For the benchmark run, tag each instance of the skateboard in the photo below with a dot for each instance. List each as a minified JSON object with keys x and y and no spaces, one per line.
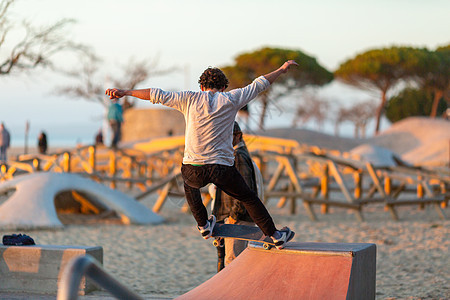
{"x":241,"y":232}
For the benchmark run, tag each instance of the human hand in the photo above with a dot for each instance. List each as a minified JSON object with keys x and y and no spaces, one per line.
{"x":115,"y":93}
{"x":285,"y":67}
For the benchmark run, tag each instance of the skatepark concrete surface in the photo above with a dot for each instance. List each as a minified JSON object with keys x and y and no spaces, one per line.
{"x":91,"y":296}
{"x":32,"y":205}
{"x":299,"y":271}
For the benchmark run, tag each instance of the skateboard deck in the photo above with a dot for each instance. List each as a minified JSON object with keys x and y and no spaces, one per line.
{"x":242,"y":232}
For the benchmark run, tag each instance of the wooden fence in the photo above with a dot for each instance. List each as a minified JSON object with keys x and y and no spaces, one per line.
{"x":292,"y":172}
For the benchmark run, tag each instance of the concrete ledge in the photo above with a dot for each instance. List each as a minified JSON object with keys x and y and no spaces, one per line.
{"x":38,"y":268}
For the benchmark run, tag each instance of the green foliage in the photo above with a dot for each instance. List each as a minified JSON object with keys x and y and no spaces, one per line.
{"x":445,"y":48}
{"x":412,"y":102}
{"x":250,"y":65}
{"x":437,"y":73}
{"x":381,"y":69}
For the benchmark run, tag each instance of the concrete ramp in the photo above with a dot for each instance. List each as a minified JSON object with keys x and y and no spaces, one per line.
{"x":32,"y":203}
{"x":300,"y":271}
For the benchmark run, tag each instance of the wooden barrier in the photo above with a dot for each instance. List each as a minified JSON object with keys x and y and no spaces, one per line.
{"x":291,"y":171}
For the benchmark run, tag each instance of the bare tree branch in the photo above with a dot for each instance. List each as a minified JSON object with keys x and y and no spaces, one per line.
{"x":359,"y":114}
{"x":312,"y":108}
{"x":90,"y":85}
{"x":38,"y":46}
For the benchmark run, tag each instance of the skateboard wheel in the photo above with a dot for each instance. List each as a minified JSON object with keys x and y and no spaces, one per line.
{"x":216,"y":243}
{"x":267,"y":246}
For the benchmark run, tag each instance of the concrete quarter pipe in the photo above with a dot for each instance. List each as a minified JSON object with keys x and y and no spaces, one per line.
{"x":300,"y":271}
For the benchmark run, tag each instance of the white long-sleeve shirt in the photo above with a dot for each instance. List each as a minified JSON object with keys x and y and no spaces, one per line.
{"x":209,"y":120}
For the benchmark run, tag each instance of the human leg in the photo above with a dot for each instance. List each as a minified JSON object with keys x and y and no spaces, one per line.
{"x":115,"y":131}
{"x":231,"y":182}
{"x":194,"y":179}
{"x":3,"y":153}
{"x":194,"y":200}
{"x":119,"y":132}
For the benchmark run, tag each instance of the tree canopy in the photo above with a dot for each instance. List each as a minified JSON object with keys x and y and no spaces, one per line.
{"x":436,"y":76}
{"x":249,"y":65}
{"x":383,"y":69}
{"x":412,"y":102}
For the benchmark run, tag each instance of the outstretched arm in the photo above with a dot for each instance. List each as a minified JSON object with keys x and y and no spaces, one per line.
{"x":118,"y":93}
{"x":272,"y":76}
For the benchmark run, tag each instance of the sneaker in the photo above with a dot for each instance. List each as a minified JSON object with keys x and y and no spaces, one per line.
{"x":207,"y":230}
{"x":286,"y":236}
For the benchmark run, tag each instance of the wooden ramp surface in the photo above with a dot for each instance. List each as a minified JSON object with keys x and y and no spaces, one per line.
{"x":300,"y":271}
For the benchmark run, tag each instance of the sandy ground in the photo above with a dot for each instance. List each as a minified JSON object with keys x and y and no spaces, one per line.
{"x":413,"y":257}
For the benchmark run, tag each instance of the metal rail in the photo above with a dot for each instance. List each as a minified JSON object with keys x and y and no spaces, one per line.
{"x":89,"y":267}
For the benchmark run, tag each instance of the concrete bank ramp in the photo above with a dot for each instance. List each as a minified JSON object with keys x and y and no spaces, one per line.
{"x":300,"y":271}
{"x":32,"y":203}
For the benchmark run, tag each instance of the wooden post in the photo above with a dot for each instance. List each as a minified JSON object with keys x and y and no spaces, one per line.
{"x":324,"y":188}
{"x":358,"y":184}
{"x":444,"y":203}
{"x":293,"y":207}
{"x":387,"y":185}
{"x":162,"y":197}
{"x":129,"y":171}
{"x":66,"y":162}
{"x":141,"y":174}
{"x":273,"y":181}
{"x":3,"y":170}
{"x":149,"y":174}
{"x":420,"y":191}
{"x":387,"y":189}
{"x":91,"y":151}
{"x":37,"y":164}
{"x":112,"y":167}
{"x":291,"y":185}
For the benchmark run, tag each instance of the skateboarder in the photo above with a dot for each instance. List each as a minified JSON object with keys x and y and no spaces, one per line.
{"x":208,"y":154}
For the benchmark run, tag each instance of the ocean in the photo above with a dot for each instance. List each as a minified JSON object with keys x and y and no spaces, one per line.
{"x":58,"y":135}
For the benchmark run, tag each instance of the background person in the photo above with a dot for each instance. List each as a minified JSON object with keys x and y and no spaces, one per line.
{"x":228,"y":209}
{"x":5,"y":139}
{"x":99,"y":138}
{"x":42,"y":143}
{"x":115,"y":119}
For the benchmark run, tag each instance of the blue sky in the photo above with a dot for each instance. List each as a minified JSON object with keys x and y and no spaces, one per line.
{"x":198,"y":34}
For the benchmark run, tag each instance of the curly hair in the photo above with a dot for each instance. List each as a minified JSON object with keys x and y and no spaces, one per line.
{"x":213,"y":78}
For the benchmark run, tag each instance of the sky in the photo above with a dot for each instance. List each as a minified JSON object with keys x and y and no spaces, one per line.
{"x":194,"y":35}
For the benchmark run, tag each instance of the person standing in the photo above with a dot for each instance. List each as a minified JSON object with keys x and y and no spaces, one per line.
{"x":115,"y":119}
{"x":208,"y":154}
{"x":99,"y":138}
{"x":5,"y":140}
{"x":229,"y":210}
{"x":42,"y":143}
